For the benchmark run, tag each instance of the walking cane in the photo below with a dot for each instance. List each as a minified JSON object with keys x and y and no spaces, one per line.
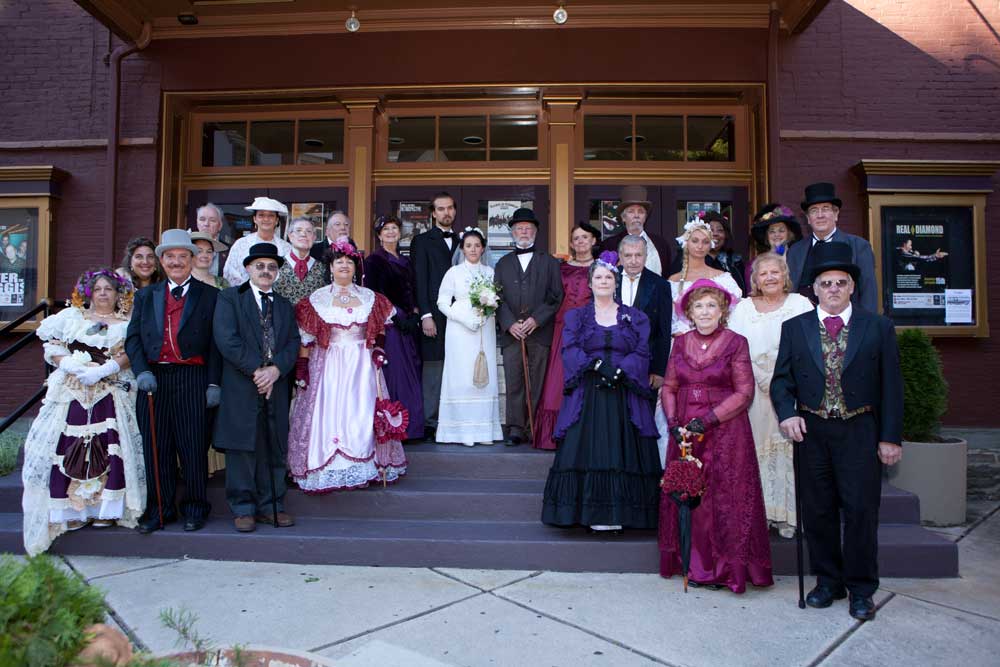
{"x":527,"y":387}
{"x":264,"y":404}
{"x":798,"y":524}
{"x":156,"y":458}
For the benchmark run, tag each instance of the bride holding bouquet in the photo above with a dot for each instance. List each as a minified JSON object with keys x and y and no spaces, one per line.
{"x":469,"y":412}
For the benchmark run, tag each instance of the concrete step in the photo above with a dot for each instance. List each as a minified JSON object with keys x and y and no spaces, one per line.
{"x":905,"y":550}
{"x":480,"y":462}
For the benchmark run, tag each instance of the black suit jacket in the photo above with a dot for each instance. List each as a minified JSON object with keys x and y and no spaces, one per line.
{"x":655,"y":300}
{"x":239,"y":338}
{"x":318,"y":251}
{"x":537,"y":293}
{"x":144,"y":340}
{"x":871,"y":375}
{"x":663,"y":248}
{"x":431,"y":259}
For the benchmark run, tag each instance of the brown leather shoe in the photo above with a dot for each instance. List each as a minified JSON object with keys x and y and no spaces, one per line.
{"x":245,"y":524}
{"x":284,"y":519}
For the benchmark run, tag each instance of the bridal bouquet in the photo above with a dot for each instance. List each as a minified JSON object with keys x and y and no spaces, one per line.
{"x":484,"y":295}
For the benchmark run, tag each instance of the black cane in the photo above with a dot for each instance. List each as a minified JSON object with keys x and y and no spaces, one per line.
{"x":798,"y":524}
{"x":265,"y":405}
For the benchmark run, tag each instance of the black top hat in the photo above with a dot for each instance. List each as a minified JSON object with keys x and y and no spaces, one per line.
{"x":820,"y":193}
{"x":522,"y":215}
{"x":264,"y":251}
{"x":770,"y":214}
{"x":833,"y":256}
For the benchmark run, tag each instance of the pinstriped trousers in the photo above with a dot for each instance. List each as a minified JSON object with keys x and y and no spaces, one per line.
{"x":179,"y":404}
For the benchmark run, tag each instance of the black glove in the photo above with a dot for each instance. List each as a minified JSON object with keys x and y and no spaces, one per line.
{"x":595,"y":364}
{"x":696,"y":426}
{"x":675,"y":431}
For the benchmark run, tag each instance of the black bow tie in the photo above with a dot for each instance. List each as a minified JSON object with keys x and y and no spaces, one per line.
{"x":178,"y":292}
{"x":524,"y":251}
{"x":448,"y":235}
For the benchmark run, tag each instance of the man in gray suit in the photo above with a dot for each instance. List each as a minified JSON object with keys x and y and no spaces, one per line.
{"x":532,"y":292}
{"x":822,"y":208}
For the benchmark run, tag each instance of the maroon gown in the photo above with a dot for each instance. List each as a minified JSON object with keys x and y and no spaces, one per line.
{"x":576,"y":292}
{"x":710,"y":377}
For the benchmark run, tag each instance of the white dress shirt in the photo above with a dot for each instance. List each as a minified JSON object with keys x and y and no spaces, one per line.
{"x":829,"y":237}
{"x":184,"y":286}
{"x":256,"y":296}
{"x":845,"y":316}
{"x":525,"y":259}
{"x":630,"y":288}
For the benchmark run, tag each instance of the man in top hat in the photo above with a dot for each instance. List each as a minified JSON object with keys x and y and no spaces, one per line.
{"x":431,"y":253}
{"x":266,"y":212}
{"x":822,"y":208}
{"x":640,"y":288}
{"x":170,"y":346}
{"x":632,"y":212}
{"x":838,"y":393}
{"x":258,"y":339}
{"x":208,"y":220}
{"x":532,"y":291}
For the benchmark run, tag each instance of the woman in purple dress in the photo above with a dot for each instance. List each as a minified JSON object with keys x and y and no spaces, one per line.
{"x":708,"y":388}
{"x":606,"y":472}
{"x":391,"y":275}
{"x":576,"y":291}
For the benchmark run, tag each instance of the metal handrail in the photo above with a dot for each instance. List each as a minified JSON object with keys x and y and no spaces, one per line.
{"x":43,"y":306}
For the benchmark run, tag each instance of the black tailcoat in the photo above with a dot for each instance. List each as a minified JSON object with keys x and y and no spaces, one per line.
{"x":655,"y":300}
{"x":431,"y":259}
{"x":537,"y":293}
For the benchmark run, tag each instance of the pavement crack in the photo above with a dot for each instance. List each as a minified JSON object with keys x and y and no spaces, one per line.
{"x":828,"y":651}
{"x":948,"y":606}
{"x":129,"y":632}
{"x":978,"y":522}
{"x":480,"y":588}
{"x":137,"y":569}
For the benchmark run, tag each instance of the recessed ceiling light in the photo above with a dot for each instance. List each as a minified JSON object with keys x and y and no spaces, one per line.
{"x":472,"y":140}
{"x":313,"y":143}
{"x":395,"y":141}
{"x":638,"y":139}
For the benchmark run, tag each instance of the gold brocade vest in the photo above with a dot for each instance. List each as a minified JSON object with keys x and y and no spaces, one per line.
{"x":834,"y":352}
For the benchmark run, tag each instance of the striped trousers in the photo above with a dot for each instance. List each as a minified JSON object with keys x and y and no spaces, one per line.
{"x":180,"y":416}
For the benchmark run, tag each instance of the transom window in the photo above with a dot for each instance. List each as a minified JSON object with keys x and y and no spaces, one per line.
{"x":661,"y":138}
{"x":272,"y":142}
{"x":480,"y":138}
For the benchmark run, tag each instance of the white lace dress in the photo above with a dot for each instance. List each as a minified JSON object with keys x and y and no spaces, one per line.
{"x":467,"y":414}
{"x":83,"y":454}
{"x":774,"y":450}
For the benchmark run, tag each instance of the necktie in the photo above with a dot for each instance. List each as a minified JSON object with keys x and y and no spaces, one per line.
{"x":524,"y":251}
{"x":177,"y":292}
{"x":265,"y":304}
{"x":301,"y":266}
{"x":833,"y":325}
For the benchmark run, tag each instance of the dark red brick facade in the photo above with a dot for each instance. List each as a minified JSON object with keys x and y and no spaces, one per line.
{"x":927,"y":67}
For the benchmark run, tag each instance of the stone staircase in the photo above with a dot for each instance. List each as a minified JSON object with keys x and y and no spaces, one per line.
{"x":457,"y":507}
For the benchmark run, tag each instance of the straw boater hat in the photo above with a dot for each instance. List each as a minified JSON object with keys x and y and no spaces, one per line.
{"x":833,"y":256}
{"x":820,"y":193}
{"x":173,"y":239}
{"x":634,"y":194}
{"x":268,"y":204}
{"x":217,"y":245}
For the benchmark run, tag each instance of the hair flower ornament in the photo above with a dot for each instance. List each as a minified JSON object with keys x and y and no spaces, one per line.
{"x":693,"y":225}
{"x":83,"y":290}
{"x":345,"y":247}
{"x":469,"y":230}
{"x":609,"y":260}
{"x":779,"y":212}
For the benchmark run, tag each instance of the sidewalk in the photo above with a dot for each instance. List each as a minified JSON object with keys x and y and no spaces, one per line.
{"x":430,"y":617}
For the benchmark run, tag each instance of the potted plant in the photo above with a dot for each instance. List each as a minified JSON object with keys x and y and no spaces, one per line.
{"x":932,"y":467}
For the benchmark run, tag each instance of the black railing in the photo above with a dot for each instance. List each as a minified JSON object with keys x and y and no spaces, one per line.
{"x":44,"y":307}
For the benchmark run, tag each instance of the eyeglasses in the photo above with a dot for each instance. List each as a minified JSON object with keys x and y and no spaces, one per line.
{"x":841,"y":283}
{"x":270,"y":266}
{"x":820,"y":210}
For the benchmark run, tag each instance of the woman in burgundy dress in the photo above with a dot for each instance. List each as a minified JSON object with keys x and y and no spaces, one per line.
{"x":576,"y":292}
{"x":391,"y":275}
{"x":708,"y":388}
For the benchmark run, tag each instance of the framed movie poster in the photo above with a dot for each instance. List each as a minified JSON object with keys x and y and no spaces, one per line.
{"x":24,"y":223}
{"x":931,"y":255}
{"x":415,"y":218}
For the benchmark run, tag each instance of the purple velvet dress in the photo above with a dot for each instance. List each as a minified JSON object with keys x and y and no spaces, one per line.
{"x":576,"y":292}
{"x":393,"y":277}
{"x":710,"y":377}
{"x":607,"y":468}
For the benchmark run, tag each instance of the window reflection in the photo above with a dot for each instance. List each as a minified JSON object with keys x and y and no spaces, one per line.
{"x":710,"y":138}
{"x":607,"y":138}
{"x":513,"y":137}
{"x":659,"y":138}
{"x":272,"y":142}
{"x":462,"y":138}
{"x":223,"y":144}
{"x":411,"y":139}
{"x":321,"y":141}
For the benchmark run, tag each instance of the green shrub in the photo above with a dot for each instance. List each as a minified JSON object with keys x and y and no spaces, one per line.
{"x":43,"y":612}
{"x":925,"y":392}
{"x":10,"y":444}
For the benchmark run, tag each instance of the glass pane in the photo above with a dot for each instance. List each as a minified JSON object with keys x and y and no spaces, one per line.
{"x":223,"y":144}
{"x":710,"y":138}
{"x":18,"y":261}
{"x":321,"y":141}
{"x":411,"y":139}
{"x":659,"y":138}
{"x":462,"y":138}
{"x":272,"y":142}
{"x":514,"y":137}
{"x":607,"y":138}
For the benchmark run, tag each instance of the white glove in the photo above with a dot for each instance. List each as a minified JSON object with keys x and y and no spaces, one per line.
{"x":88,"y":375}
{"x":70,"y":364}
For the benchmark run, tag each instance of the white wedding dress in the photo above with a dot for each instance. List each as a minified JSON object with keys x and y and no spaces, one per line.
{"x":467,"y":414}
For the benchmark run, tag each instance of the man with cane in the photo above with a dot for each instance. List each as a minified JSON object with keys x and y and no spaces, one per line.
{"x":838,"y":393}
{"x":170,"y":346}
{"x":258,"y":339}
{"x":531,"y":292}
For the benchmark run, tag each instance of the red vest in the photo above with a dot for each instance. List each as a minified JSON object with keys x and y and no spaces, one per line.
{"x":170,"y":351}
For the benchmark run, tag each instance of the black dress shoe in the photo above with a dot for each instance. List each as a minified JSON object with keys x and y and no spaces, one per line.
{"x":152,"y":523}
{"x":862,"y":608}
{"x":822,"y":597}
{"x":194,"y":524}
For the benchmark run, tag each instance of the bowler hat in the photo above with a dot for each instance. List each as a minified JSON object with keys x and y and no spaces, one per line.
{"x":522,"y":215}
{"x":264,"y":251}
{"x":820,"y":193}
{"x":833,"y":256}
{"x":634,"y":194}
{"x":173,"y":239}
{"x":770,"y":214}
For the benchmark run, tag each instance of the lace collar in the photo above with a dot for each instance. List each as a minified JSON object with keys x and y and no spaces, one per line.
{"x":323,"y":298}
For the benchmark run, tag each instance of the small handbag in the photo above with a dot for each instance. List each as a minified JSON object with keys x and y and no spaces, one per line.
{"x":481,"y":370}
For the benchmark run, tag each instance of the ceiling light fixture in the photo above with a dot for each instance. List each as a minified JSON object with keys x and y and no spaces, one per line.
{"x":352,"y":24}
{"x":313,"y":143}
{"x":472,"y":140}
{"x":187,"y":18}
{"x":560,"y":15}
